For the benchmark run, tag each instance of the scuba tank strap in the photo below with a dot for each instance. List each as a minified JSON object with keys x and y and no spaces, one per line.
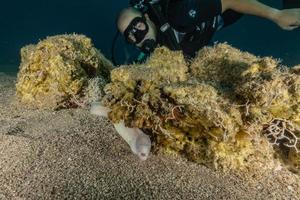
{"x":165,"y":28}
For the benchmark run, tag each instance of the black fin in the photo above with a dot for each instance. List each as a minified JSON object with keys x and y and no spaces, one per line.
{"x":291,"y":4}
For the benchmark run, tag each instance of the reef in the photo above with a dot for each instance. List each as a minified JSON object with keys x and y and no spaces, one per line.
{"x":62,"y":71}
{"x":223,"y":109}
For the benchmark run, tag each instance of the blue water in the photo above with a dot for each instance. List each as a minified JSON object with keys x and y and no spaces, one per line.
{"x":25,"y":22}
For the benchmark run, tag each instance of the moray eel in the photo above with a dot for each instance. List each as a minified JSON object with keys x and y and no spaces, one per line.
{"x":138,"y":141}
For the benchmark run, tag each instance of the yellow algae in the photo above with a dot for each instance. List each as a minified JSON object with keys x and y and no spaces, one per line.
{"x":56,"y":72}
{"x":222,"y":109}
{"x":214,"y":110}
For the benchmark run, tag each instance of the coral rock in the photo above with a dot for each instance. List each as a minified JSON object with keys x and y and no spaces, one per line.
{"x":56,"y":71}
{"x":218,"y":111}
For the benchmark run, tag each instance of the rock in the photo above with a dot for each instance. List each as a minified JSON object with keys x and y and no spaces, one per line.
{"x":213,"y":110}
{"x":61,"y":71}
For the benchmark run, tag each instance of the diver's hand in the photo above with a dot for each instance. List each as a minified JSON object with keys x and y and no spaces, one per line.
{"x":288,"y":19}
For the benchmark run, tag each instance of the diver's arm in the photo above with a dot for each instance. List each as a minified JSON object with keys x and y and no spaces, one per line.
{"x":287,"y":19}
{"x":251,"y":7}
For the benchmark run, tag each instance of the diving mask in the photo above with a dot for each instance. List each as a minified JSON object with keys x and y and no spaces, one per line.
{"x":136,"y":32}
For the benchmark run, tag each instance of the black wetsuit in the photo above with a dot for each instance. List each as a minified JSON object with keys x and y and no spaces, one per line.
{"x":291,"y":4}
{"x":194,"y":23}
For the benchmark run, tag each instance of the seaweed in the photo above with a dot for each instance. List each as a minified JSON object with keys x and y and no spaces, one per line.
{"x":61,"y":71}
{"x":226,"y":109}
{"x":214,"y":110}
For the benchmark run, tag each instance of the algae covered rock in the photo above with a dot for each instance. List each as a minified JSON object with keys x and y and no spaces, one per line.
{"x":223,"y":64}
{"x":222,"y":109}
{"x":61,"y":71}
{"x":214,"y":110}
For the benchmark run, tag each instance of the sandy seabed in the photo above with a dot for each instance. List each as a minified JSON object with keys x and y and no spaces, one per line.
{"x":71,"y":154}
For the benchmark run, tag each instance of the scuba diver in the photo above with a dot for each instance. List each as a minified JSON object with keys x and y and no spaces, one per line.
{"x":189,"y":25}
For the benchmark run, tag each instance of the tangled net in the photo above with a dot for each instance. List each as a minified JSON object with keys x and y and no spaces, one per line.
{"x":281,"y":131}
{"x":220,"y":110}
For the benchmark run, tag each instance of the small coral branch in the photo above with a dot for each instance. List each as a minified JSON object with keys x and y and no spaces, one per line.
{"x":174,"y":113}
{"x":129,"y":106}
{"x":246,"y":105}
{"x":281,"y":131}
{"x":77,"y":102}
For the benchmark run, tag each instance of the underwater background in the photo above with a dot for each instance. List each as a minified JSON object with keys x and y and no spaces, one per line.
{"x":26,"y":22}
